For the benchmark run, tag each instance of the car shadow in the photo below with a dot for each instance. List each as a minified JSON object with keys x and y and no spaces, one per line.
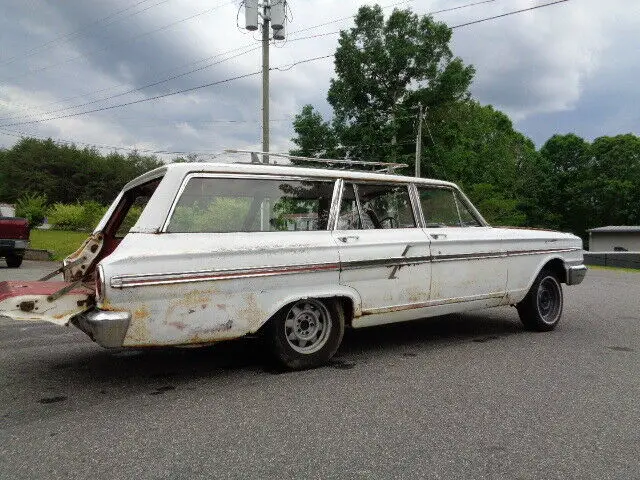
{"x":157,"y":367}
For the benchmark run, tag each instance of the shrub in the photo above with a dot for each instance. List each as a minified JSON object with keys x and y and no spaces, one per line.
{"x":76,"y":216}
{"x":92,"y":212}
{"x":33,"y":207}
{"x":66,"y":216}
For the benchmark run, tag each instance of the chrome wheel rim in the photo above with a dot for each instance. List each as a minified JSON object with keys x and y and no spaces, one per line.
{"x":307,"y":326}
{"x":549,"y":300}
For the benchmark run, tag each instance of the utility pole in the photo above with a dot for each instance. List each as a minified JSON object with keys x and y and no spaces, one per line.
{"x":265,"y":82}
{"x":273,"y":13}
{"x":419,"y":141}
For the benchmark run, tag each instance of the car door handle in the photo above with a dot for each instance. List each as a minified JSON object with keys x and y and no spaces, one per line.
{"x":346,"y":238}
{"x":438,"y":236}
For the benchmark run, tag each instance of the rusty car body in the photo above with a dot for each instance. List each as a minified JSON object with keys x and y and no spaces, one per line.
{"x":222,"y":250}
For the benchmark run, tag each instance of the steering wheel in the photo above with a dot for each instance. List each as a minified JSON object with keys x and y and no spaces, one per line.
{"x":391,"y":221}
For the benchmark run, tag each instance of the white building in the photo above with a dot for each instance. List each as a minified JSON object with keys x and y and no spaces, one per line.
{"x":617,"y":238}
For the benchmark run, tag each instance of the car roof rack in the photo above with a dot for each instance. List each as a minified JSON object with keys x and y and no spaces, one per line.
{"x":341,"y":163}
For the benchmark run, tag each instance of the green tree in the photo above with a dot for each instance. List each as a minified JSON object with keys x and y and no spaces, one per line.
{"x":383,"y":70}
{"x":614,"y":182}
{"x":563,"y":182}
{"x":315,"y":137}
{"x":67,"y":174}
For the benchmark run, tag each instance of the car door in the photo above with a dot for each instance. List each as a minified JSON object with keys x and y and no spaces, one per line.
{"x":467,"y":257}
{"x":384,"y":255}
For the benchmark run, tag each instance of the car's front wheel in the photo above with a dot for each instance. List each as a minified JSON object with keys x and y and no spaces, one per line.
{"x":306,"y":333}
{"x":13,"y":261}
{"x":541,"y":309}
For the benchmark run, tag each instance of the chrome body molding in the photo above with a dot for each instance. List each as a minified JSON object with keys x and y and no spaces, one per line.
{"x":148,"y":279}
{"x":433,"y":303}
{"x":511,"y":253}
{"x":124,"y":281}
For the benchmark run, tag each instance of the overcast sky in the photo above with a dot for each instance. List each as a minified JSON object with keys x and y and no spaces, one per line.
{"x":571,"y":67}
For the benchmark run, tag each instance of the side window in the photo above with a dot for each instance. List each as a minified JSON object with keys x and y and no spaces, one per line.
{"x":439,"y":207}
{"x":220,"y":205}
{"x":466,"y":217}
{"x":349,"y":218}
{"x":443,"y":208}
{"x":379,"y":206}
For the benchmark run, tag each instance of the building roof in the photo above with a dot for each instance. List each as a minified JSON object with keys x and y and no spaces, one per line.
{"x":616,"y":229}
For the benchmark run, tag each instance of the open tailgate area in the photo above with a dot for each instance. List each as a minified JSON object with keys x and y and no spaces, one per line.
{"x":41,"y":300}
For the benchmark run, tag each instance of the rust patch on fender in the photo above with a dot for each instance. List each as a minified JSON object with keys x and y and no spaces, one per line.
{"x":417,"y":295}
{"x":139,"y":330}
{"x":252,"y":312}
{"x":178,"y":325}
{"x":191,"y":301}
{"x":141,"y":313}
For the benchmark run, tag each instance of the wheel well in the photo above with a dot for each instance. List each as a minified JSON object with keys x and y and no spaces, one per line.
{"x":345,"y":302}
{"x":347,"y":306}
{"x":557,"y":266}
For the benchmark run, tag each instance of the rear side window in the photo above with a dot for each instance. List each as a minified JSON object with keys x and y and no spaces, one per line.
{"x":222,"y":205}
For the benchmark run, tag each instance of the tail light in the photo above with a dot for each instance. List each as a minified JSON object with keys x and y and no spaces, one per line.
{"x":99,"y":284}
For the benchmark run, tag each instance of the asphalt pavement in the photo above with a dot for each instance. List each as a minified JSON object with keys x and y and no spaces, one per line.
{"x":457,"y":397}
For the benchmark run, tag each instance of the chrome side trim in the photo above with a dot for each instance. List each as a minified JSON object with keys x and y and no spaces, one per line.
{"x":137,"y":280}
{"x":512,"y":253}
{"x":124,"y":281}
{"x":433,"y":303}
{"x":385,"y":262}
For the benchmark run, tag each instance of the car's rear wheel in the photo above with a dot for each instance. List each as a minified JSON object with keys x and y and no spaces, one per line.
{"x":13,"y":261}
{"x":541,"y":309}
{"x":306,"y":333}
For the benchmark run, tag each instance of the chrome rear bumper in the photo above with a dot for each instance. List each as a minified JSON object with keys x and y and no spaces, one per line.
{"x":104,"y":327}
{"x":575,"y":274}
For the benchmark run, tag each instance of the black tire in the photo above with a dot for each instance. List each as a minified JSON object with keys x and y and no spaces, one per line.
{"x":13,"y":261}
{"x":306,"y":333}
{"x":541,"y":309}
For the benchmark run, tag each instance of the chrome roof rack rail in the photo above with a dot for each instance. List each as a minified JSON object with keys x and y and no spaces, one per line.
{"x":341,"y":162}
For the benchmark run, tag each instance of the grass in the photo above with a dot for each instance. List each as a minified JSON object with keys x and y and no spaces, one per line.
{"x":615,"y":269}
{"x":59,"y":242}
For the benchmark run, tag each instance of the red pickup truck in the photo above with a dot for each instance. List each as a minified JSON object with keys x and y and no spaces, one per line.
{"x":14,"y":239}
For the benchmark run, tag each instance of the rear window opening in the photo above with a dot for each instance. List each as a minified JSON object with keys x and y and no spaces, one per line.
{"x":126,"y":214}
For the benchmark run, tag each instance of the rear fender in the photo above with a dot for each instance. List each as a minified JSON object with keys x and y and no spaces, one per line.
{"x":344,"y":292}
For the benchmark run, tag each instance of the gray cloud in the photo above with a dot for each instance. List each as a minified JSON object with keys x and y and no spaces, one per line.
{"x":552,"y":70}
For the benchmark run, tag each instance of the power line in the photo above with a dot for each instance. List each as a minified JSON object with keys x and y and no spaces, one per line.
{"x":133,"y":102}
{"x":285,"y":67}
{"x":48,"y":44}
{"x":133,"y":90}
{"x":18,"y":134}
{"x":486,"y":19}
{"x":132,"y":38}
{"x":14,"y":117}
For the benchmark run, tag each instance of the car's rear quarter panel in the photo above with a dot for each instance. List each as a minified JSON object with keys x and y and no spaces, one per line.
{"x":242,"y":280}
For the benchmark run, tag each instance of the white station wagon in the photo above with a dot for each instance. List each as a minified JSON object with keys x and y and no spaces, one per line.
{"x":223,"y":250}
